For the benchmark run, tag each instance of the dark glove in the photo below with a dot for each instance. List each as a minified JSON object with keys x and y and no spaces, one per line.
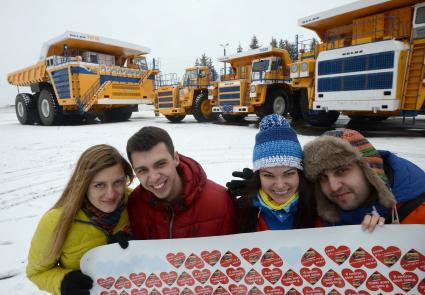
{"x":237,"y":187}
{"x":76,"y":283}
{"x":121,"y":238}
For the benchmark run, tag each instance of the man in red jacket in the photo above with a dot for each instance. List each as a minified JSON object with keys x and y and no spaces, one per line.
{"x":174,"y":199}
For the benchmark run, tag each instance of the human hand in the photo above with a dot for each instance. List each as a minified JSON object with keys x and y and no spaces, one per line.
{"x":237,"y":187}
{"x":370,"y":221}
{"x":76,"y":283}
{"x":121,"y":238}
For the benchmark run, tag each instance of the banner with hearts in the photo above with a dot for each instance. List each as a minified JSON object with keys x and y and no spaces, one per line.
{"x":330,"y":261}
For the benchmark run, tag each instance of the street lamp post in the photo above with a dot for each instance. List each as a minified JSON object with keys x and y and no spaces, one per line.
{"x":224,"y":50}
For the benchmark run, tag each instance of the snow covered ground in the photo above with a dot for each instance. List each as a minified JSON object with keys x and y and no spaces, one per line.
{"x":36,"y":162}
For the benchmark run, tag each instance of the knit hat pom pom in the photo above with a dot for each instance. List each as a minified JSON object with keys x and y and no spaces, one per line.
{"x":273,"y":121}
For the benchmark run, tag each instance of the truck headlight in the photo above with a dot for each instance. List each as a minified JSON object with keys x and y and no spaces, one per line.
{"x":253,"y":88}
{"x":304,"y":67}
{"x":294,"y":68}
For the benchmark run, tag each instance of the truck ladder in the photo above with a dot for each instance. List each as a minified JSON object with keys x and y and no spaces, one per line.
{"x":94,"y":98}
{"x":414,"y":76}
{"x":91,"y":95}
{"x":146,"y":75}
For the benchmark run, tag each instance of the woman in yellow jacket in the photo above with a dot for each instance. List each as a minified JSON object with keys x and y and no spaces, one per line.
{"x":91,"y":212}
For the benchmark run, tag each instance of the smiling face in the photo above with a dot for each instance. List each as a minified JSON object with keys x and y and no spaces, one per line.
{"x":346,"y":186}
{"x":107,"y":188}
{"x":280,"y":183}
{"x":156,"y":170}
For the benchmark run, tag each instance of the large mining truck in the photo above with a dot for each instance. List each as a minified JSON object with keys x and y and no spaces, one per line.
{"x":190,"y":96}
{"x":369,"y":64}
{"x":82,"y":76}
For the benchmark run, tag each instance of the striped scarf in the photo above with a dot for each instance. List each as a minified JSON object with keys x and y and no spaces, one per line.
{"x":105,"y":221}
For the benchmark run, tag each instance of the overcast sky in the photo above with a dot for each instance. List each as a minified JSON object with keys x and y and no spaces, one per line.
{"x":176,"y":31}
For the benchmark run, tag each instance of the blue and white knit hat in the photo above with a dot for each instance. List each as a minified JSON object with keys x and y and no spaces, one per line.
{"x":276,"y":144}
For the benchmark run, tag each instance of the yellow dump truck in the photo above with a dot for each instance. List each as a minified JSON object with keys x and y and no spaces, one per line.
{"x":190,"y":96}
{"x":369,"y":64}
{"x":257,"y":82}
{"x":79,"y":76}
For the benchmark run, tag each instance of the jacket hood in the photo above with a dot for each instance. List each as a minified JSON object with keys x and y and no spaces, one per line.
{"x":408,"y":179}
{"x":328,"y":152}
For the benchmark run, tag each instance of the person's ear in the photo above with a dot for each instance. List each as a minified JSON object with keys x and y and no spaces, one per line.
{"x":176,"y":158}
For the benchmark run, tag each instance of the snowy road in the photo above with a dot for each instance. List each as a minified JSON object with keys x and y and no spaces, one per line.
{"x":36,"y":161}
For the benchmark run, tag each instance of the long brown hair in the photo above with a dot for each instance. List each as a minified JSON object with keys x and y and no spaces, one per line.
{"x":92,"y":161}
{"x":247,"y":214}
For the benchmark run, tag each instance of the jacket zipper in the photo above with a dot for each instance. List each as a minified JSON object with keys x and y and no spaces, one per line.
{"x":170,"y":226}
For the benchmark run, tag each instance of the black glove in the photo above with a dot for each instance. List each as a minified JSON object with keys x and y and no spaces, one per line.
{"x":237,"y":187}
{"x":76,"y":283}
{"x":121,"y":238}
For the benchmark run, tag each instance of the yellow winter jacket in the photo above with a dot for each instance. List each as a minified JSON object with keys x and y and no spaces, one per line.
{"x":48,"y":274}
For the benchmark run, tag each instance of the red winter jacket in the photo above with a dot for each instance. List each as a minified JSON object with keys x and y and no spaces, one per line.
{"x":205,"y":209}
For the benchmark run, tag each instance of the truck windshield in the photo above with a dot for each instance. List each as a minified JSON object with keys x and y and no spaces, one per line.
{"x":141,"y":63}
{"x":420,"y":15}
{"x":260,"y":66}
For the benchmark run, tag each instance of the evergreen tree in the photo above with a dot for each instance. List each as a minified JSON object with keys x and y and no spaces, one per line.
{"x":313,"y":44}
{"x":197,"y":62}
{"x":204,"y":60}
{"x":239,"y":49}
{"x":273,"y":43}
{"x":254,"y":43}
{"x":290,"y":47}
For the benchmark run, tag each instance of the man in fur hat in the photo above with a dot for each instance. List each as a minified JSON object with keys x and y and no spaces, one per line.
{"x":353,"y":181}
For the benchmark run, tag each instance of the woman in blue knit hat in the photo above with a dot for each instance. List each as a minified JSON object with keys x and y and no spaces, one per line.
{"x":277,"y":196}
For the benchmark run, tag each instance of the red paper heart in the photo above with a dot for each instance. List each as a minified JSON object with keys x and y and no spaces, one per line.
{"x":170,"y":291}
{"x":354,"y":292}
{"x":187,"y":291}
{"x":193,"y":261}
{"x":112,"y":292}
{"x":139,"y":292}
{"x":269,"y":290}
{"x":378,"y":281}
{"x":201,"y":275}
{"x":252,"y":277}
{"x":176,"y":260}
{"x":168,"y":277}
{"x":387,"y":256}
{"x":338,"y":255}
{"x":311,"y":257}
{"x":412,"y":260}
{"x":218,"y":277}
{"x":315,"y":291}
{"x":252,"y":256}
{"x":238,"y":289}
{"x":211,"y":257}
{"x":291,"y":278}
{"x":255,"y":291}
{"x":293,"y":291}
{"x":405,"y":281}
{"x":355,"y":278}
{"x":122,"y":282}
{"x":221,"y":291}
{"x":272,"y":275}
{"x":185,"y":279}
{"x":137,"y":278}
{"x":271,"y":258}
{"x":334,"y":292}
{"x":230,"y":259}
{"x":362,"y":258}
{"x":152,"y":281}
{"x":207,"y":290}
{"x":332,"y":278}
{"x":106,"y":283}
{"x":236,"y":274}
{"x":421,"y":287}
{"x":311,"y":275}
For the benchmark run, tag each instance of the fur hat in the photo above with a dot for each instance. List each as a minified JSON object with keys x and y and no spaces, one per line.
{"x":340,"y":147}
{"x":276,"y":144}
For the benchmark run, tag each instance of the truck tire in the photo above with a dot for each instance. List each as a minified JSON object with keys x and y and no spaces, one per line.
{"x":277,"y":102}
{"x":175,"y":119}
{"x":26,"y":108}
{"x":115,"y":115}
{"x":202,"y":109}
{"x":233,"y":118}
{"x":316,"y":118}
{"x":48,"y":109}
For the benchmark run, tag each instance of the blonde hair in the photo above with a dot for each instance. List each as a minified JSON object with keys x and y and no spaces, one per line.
{"x":91,"y":162}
